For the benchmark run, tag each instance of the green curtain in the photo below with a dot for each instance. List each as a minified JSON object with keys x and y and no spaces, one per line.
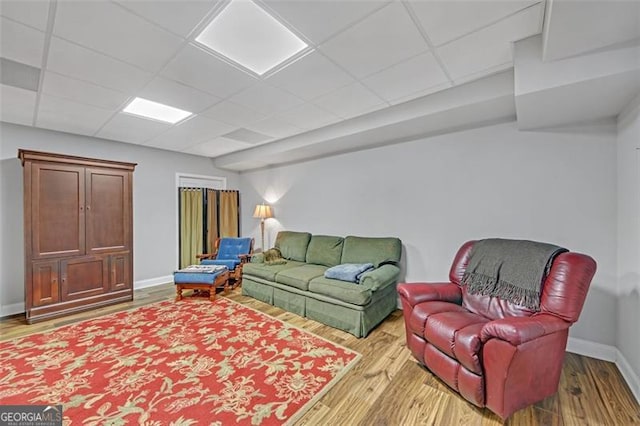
{"x":191,"y":225}
{"x":228,"y":211}
{"x":212,"y":220}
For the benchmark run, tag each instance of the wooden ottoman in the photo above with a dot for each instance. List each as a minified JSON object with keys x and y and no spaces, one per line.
{"x":201,"y":279}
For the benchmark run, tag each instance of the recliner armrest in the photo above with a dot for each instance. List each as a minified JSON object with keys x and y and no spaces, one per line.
{"x":518,"y":330}
{"x":415,"y":293}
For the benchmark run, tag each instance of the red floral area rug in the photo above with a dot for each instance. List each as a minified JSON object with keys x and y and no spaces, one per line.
{"x":181,"y":363}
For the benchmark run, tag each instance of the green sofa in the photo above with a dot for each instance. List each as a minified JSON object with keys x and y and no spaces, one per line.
{"x":299,"y":285}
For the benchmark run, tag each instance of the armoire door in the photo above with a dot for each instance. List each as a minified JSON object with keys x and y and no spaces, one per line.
{"x":120,"y":270}
{"x":45,"y":277}
{"x":84,"y":277}
{"x":108,"y":211}
{"x":57,"y":216}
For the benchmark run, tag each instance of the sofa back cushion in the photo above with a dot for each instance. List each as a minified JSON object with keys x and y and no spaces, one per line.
{"x":293,"y":245}
{"x":373,"y":250}
{"x":325,"y":250}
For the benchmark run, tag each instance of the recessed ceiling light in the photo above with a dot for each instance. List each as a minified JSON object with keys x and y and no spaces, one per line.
{"x":246,"y":34}
{"x":156,"y":111}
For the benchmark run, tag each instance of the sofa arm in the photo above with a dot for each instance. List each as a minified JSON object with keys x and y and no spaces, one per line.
{"x":257,"y":258}
{"x":380,"y":277}
{"x":415,"y":293}
{"x":518,"y":330}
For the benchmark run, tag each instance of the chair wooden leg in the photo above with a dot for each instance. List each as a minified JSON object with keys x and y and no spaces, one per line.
{"x":178,"y":292}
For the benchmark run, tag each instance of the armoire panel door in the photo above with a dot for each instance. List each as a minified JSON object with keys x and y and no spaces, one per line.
{"x":57,"y":210}
{"x":120,"y":269}
{"x":45,"y":288}
{"x":108,"y":210}
{"x":84,"y":277}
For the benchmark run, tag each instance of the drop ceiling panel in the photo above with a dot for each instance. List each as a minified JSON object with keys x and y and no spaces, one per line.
{"x":381,"y":40}
{"x":350,"y":101}
{"x":490,"y":47}
{"x":266,"y":99}
{"x":312,"y":76}
{"x":320,"y":19}
{"x":274,"y":127}
{"x":32,"y":12}
{"x":406,"y":78}
{"x":233,"y":114}
{"x":80,"y":91}
{"x":177,"y":16}
{"x":17,"y":105}
{"x":201,"y":70}
{"x":444,"y":21}
{"x":21,"y":43}
{"x":110,"y":29}
{"x":72,"y":117}
{"x":218,"y":146}
{"x":128,"y":128}
{"x":308,"y":116}
{"x":189,"y":133}
{"x":81,"y":63}
{"x":177,"y":95}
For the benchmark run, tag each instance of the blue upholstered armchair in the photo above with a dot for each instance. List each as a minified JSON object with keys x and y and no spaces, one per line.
{"x":232,"y":253}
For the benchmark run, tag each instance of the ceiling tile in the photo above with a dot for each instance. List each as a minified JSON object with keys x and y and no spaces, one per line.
{"x":444,"y":21}
{"x":110,"y":29}
{"x":21,"y":43}
{"x":310,"y":77}
{"x":201,"y":70}
{"x":33,"y":12}
{"x":81,"y":91}
{"x":67,"y":116}
{"x":490,"y":47}
{"x":383,"y":39}
{"x":128,"y":128}
{"x":218,"y":146}
{"x":308,"y":116}
{"x":266,"y":99}
{"x":320,"y":19}
{"x":421,"y":93}
{"x":190,"y":132}
{"x":234,"y":114}
{"x":411,"y":76}
{"x":350,"y":101}
{"x":17,"y":105}
{"x":177,"y":95}
{"x":76,"y":61}
{"x":177,"y":16}
{"x":274,"y":127}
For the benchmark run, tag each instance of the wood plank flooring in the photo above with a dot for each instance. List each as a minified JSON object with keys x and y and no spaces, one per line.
{"x":389,"y":388}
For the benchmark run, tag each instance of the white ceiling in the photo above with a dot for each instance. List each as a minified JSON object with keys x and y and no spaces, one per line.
{"x":369,"y":57}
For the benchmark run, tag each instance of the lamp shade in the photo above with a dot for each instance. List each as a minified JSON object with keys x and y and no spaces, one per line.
{"x":262,"y":211}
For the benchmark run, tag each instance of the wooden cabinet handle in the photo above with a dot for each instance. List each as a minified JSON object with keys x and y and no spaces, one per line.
{"x":81,"y":208}
{"x":88,"y":207}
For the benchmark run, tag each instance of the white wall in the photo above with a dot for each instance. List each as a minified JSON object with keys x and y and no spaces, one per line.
{"x":439,"y":192}
{"x":628,"y":318}
{"x":154,"y":201}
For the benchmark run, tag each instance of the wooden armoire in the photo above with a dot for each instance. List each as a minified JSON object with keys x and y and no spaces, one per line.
{"x":78,"y":233}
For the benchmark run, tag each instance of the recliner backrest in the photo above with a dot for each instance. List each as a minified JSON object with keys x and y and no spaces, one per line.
{"x":230,"y":248}
{"x":563,"y":292}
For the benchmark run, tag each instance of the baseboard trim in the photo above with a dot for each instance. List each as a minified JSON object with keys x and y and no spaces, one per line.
{"x":13,"y":309}
{"x":607,"y":353}
{"x":152,"y":282}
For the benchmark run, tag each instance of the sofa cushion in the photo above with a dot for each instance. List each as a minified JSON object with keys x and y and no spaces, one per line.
{"x":293,"y":245}
{"x":300,"y":276}
{"x":341,"y":290}
{"x":374,"y":250}
{"x":268,"y":272}
{"x":325,"y":250}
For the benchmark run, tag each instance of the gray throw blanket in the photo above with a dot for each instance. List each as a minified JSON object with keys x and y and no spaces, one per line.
{"x":512,"y":270}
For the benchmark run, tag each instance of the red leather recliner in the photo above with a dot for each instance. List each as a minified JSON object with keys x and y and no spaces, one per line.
{"x":496,"y":354}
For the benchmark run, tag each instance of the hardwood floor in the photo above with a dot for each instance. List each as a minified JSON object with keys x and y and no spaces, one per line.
{"x":388,"y":387}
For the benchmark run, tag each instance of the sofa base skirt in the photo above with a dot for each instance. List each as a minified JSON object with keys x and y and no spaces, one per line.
{"x":354,"y":319}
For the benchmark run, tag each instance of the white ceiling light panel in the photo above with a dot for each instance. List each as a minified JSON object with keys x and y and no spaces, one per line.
{"x":156,"y":111}
{"x":247,"y":35}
